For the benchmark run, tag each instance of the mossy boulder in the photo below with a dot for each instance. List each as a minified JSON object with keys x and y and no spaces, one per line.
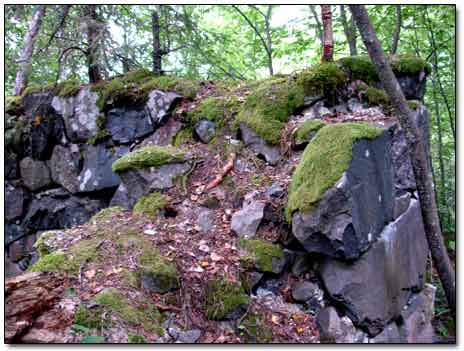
{"x":306,"y":132}
{"x":323,"y":79}
{"x":142,"y":314}
{"x":270,"y":105}
{"x":224,"y":300}
{"x":106,"y":215}
{"x":156,"y":274}
{"x":13,"y":105}
{"x":262,"y":255}
{"x":323,"y":162}
{"x":56,"y":262}
{"x":215,"y":109}
{"x":150,"y":205}
{"x":146,"y":157}
{"x":377,"y":96}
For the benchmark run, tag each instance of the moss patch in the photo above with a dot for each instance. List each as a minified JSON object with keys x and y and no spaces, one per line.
{"x":144,"y":315}
{"x":100,"y":136}
{"x":107,"y":214}
{"x":217,"y":109}
{"x":150,"y":205}
{"x":136,"y":339}
{"x":324,"y":160}
{"x":53,"y":262}
{"x":324,"y":78}
{"x":67,"y":88}
{"x":91,"y":318}
{"x":377,"y":96}
{"x":253,"y":329}
{"x":306,"y":128}
{"x":183,"y":136}
{"x":414,"y":104}
{"x":222,"y":298}
{"x":359,"y":67}
{"x":260,"y":254}
{"x":157,"y":268}
{"x":149,"y":156}
{"x":185,"y":87}
{"x":407,"y":65}
{"x":13,"y":105}
{"x":270,"y":105}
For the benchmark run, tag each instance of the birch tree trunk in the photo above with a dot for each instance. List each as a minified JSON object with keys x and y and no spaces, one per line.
{"x":25,"y":61}
{"x":418,"y":155}
{"x":327,"y":51}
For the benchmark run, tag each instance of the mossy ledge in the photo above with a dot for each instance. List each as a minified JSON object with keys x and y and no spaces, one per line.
{"x":216,"y":109}
{"x":260,"y":254}
{"x":222,"y":298}
{"x":306,"y":128}
{"x":323,"y":162}
{"x":149,"y":156}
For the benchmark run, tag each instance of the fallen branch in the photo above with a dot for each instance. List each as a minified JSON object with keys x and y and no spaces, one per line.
{"x":226,"y":169}
{"x":163,"y":308}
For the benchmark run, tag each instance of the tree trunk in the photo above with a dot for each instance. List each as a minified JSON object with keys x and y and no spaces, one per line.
{"x":93,"y":38}
{"x":349,"y":31}
{"x":155,"y":27}
{"x":267,"y":20}
{"x":418,"y":154}
{"x":25,"y":61}
{"x":318,"y":24}
{"x":396,"y":35}
{"x":327,"y":51}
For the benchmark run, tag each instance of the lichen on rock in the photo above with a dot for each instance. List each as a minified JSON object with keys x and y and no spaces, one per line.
{"x":323,"y":162}
{"x":149,"y":156}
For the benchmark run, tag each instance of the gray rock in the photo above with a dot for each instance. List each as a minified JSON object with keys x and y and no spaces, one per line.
{"x":388,"y":272}
{"x":334,"y":329}
{"x":189,"y":336}
{"x":13,"y":232}
{"x":32,"y":102}
{"x":413,"y":86}
{"x":245,"y":222}
{"x":157,"y":282}
{"x":354,"y":105}
{"x":417,"y":317}
{"x":351,"y":214}
{"x":64,"y":167}
{"x":275,"y":190}
{"x":15,"y":201}
{"x":256,"y":144}
{"x":137,"y":183}
{"x":205,"y":220}
{"x":401,"y":204}
{"x":11,"y":166}
{"x":97,"y":173}
{"x":35,"y":174}
{"x":57,"y":209}
{"x":318,"y":110}
{"x":303,"y":291}
{"x":390,"y":335}
{"x":205,"y":130}
{"x":160,"y":104}
{"x":11,"y":269}
{"x":164,"y":135}
{"x":79,"y":113}
{"x":127,"y":124}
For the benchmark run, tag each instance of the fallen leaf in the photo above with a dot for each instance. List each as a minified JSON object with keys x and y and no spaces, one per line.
{"x":204,"y":264}
{"x":90,"y":273}
{"x":300,"y":330}
{"x":204,"y":248}
{"x":215,"y":257}
{"x":275,"y":319}
{"x":150,"y":232}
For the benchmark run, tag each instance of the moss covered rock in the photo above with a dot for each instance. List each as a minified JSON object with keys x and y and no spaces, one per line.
{"x":322,"y":79}
{"x":13,"y":105}
{"x":156,"y":274}
{"x":307,"y":131}
{"x":262,"y":255}
{"x":150,"y":205}
{"x":224,"y":300}
{"x":149,"y":156}
{"x":377,"y":96}
{"x":323,"y":162}
{"x":270,"y":105}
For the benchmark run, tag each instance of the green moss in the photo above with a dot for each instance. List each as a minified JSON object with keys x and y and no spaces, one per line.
{"x":377,"y":96}
{"x":13,"y":104}
{"x":91,"y":318}
{"x":183,"y":136}
{"x":136,"y":339}
{"x":260,"y":254}
{"x":408,"y":65}
{"x":360,"y":68}
{"x":185,"y":87}
{"x":107,"y":214}
{"x":149,"y":156}
{"x":324,"y":160}
{"x":324,"y":78}
{"x":150,"y":205}
{"x":53,"y":262}
{"x":217,"y":109}
{"x":101,"y":135}
{"x":145,"y":315}
{"x":254,"y":329}
{"x":222,"y":298}
{"x":270,"y":105}
{"x":306,"y":128}
{"x":414,"y":104}
{"x":101,"y":121}
{"x":35,"y":88}
{"x":67,"y":88}
{"x":43,"y":248}
{"x":154,"y":265}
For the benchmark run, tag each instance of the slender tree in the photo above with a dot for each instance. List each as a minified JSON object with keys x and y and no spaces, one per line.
{"x":396,"y":35}
{"x":419,"y":158}
{"x":327,"y":51}
{"x":93,"y":38}
{"x":350,"y":31}
{"x":25,"y":61}
{"x":157,"y":55}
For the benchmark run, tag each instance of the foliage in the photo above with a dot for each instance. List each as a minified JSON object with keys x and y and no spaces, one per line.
{"x":323,"y":162}
{"x":149,"y":156}
{"x":223,"y":297}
